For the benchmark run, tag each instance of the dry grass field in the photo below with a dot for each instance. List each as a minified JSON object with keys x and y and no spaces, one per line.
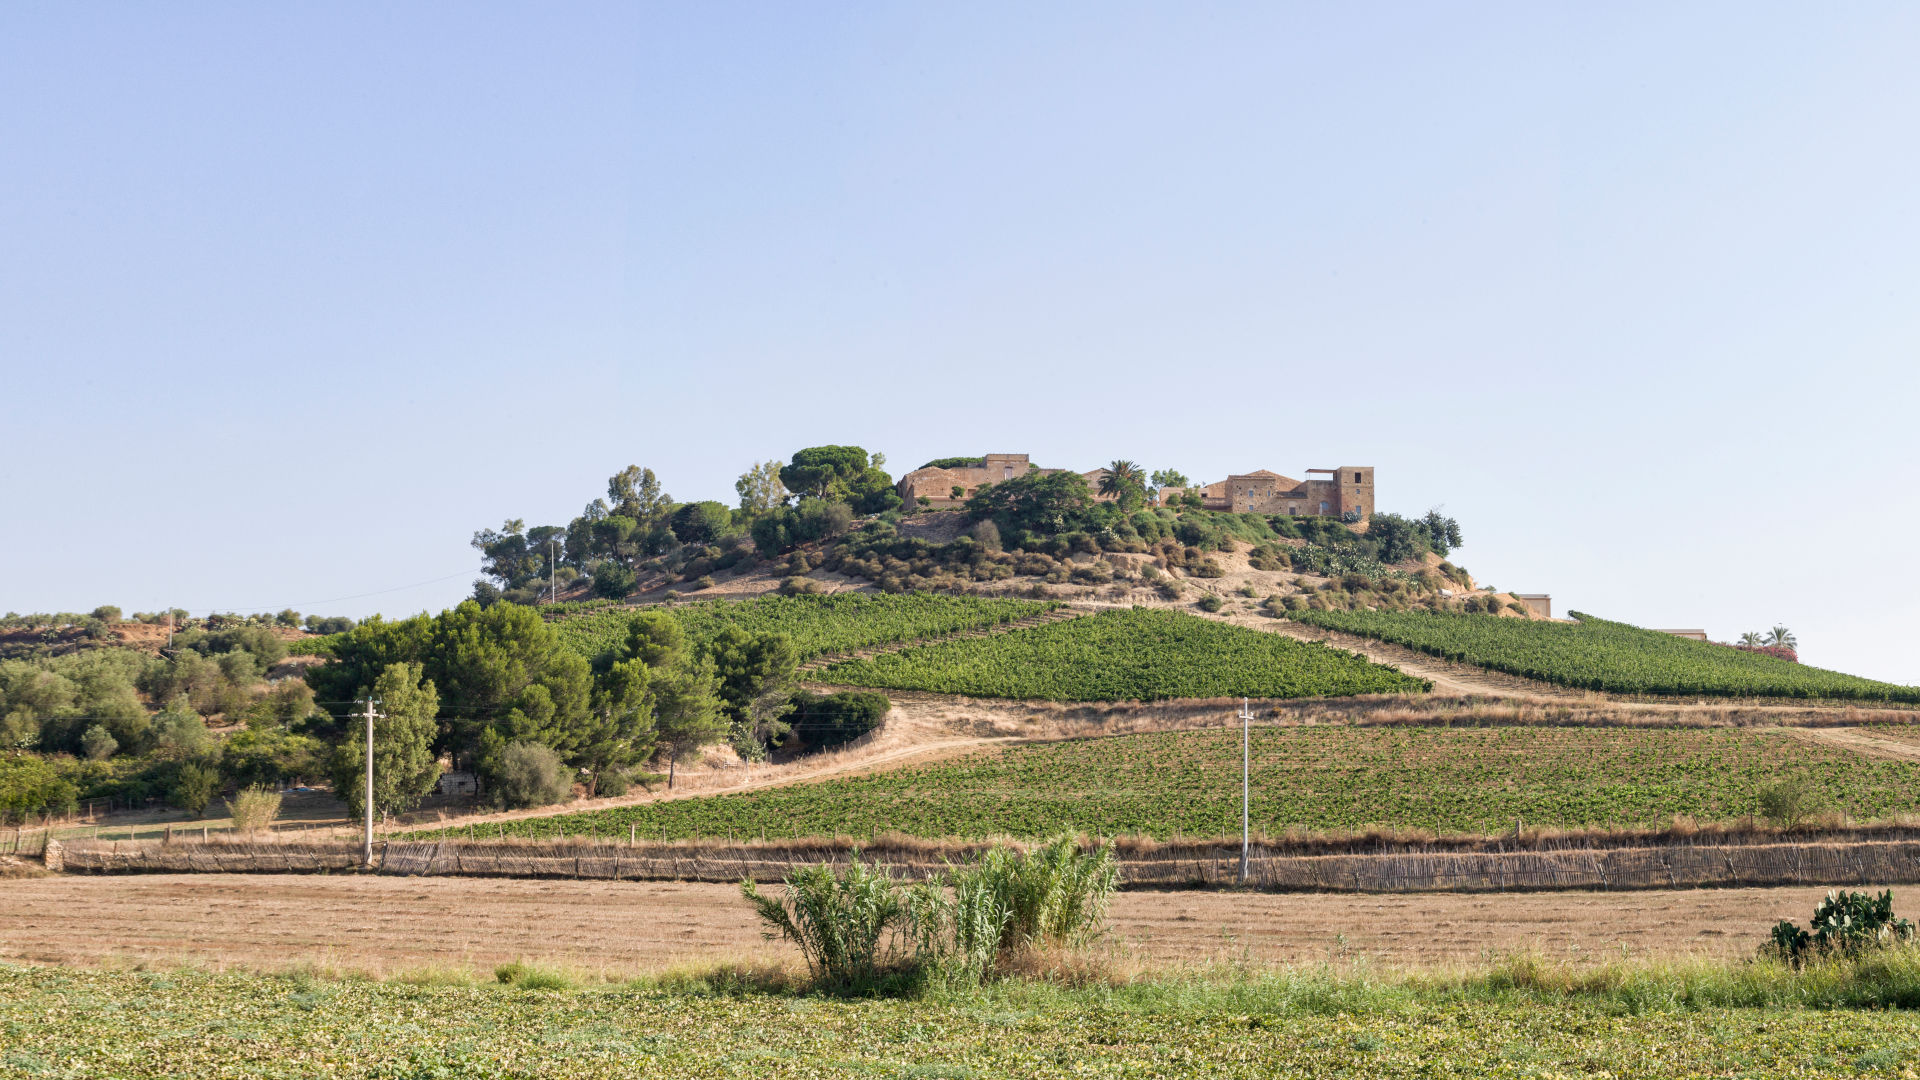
{"x":386,"y":925}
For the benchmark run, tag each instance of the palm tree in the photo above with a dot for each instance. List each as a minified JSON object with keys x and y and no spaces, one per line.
{"x":1753,"y":638}
{"x":1123,"y":480}
{"x":1783,"y":637}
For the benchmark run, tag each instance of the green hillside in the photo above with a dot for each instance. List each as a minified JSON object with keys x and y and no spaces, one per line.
{"x":818,"y":625}
{"x":1134,"y":655}
{"x":1595,"y":654}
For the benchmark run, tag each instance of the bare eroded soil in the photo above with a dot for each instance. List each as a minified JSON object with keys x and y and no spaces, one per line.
{"x":385,"y":925}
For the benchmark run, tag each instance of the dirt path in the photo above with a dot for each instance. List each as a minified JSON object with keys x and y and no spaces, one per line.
{"x":385,"y":925}
{"x":1871,"y":744}
{"x":1447,"y":677}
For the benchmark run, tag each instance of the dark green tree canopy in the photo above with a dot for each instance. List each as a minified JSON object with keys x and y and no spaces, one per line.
{"x":1036,"y":502}
{"x":1443,"y":533}
{"x":404,"y":765}
{"x":825,"y":472}
{"x":1395,"y":539}
{"x":501,"y":675}
{"x":701,"y":523}
{"x":635,"y":492}
{"x":754,"y":672}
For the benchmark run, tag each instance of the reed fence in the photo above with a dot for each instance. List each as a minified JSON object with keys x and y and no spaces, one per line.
{"x":1192,"y":865}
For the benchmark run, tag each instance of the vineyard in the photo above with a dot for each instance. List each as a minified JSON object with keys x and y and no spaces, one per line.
{"x":818,"y":625}
{"x":155,"y":1024}
{"x":1595,"y":654}
{"x":1457,"y":780}
{"x":1133,"y":655}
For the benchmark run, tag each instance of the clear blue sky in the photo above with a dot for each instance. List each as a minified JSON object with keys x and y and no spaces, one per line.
{"x":293,"y":298}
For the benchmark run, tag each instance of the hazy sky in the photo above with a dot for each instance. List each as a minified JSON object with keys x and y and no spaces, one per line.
{"x":293,"y":298}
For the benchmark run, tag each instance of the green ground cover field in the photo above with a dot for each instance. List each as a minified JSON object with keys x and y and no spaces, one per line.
{"x":1133,"y":655}
{"x":74,"y":1023}
{"x":818,"y":625}
{"x":1595,"y":654}
{"x":1448,"y":779}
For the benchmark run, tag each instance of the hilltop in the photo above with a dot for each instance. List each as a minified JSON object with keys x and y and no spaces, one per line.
{"x":845,"y":628}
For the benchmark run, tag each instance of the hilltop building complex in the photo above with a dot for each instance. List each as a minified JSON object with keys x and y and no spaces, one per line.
{"x":1345,"y":491}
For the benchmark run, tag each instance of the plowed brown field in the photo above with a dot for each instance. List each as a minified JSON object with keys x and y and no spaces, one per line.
{"x":384,"y":925}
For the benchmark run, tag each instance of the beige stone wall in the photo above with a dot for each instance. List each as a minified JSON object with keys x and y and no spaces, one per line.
{"x":937,"y":484}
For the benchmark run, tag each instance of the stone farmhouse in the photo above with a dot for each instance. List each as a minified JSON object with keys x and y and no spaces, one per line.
{"x":953,"y":486}
{"x":1325,"y":492}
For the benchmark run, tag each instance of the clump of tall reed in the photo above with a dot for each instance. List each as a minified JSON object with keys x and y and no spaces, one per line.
{"x":841,"y":923}
{"x":254,"y":808}
{"x":857,"y":930}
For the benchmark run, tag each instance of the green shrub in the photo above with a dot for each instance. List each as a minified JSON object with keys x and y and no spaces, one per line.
{"x":1846,"y":923}
{"x":706,"y":582}
{"x":799,"y":586}
{"x":1787,"y":803}
{"x":1272,"y":558}
{"x":611,"y":783}
{"x":32,"y":785}
{"x":254,"y":808}
{"x":98,"y":743}
{"x":830,"y":720}
{"x":180,"y":731}
{"x":530,"y":774}
{"x":193,"y":787}
{"x":1211,"y":602}
{"x":529,"y":977}
{"x":613,"y":581}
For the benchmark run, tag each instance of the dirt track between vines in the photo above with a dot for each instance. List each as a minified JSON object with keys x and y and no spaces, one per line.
{"x":384,"y":925}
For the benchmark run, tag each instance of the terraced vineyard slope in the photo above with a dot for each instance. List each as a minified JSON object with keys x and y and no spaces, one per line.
{"x":1133,"y":655}
{"x":818,"y":625}
{"x":1450,"y":780}
{"x":1595,"y":654}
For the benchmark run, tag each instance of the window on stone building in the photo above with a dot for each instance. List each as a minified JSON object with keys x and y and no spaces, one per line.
{"x":1323,"y":508}
{"x":1356,"y":478}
